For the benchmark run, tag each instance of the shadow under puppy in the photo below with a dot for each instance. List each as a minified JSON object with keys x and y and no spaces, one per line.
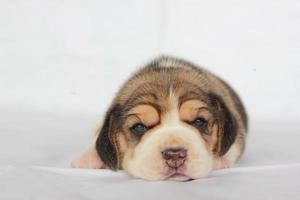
{"x":170,"y":121}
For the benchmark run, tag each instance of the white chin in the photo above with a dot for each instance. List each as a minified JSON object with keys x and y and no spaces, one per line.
{"x":178,"y":177}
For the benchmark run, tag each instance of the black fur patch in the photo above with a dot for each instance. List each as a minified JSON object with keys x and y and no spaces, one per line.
{"x":105,"y":145}
{"x":238,"y":103}
{"x":228,"y":124}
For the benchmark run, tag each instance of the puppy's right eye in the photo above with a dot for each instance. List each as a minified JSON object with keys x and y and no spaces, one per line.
{"x":138,"y":129}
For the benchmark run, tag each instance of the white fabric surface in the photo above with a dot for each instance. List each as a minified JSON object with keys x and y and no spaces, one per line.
{"x":34,"y":164}
{"x":62,"y":61}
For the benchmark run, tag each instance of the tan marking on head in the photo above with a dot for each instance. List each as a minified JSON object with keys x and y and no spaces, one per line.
{"x":189,"y":110}
{"x":146,"y":113}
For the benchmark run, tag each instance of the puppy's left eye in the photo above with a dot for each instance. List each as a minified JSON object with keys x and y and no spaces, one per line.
{"x":138,"y":129}
{"x":199,"y":123}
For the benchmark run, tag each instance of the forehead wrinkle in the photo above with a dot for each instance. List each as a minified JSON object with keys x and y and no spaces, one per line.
{"x":149,"y":93}
{"x":192,"y":92}
{"x":135,"y":117}
{"x":130,"y":107}
{"x":139,"y":98}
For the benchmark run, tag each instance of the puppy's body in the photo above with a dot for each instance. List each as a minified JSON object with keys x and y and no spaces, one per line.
{"x":171,"y":120}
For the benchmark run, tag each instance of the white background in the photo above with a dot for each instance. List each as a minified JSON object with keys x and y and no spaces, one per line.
{"x":71,"y":56}
{"x":61,"y":62}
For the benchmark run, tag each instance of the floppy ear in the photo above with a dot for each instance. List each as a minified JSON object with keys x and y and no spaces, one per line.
{"x":227,"y":125}
{"x":106,"y":143}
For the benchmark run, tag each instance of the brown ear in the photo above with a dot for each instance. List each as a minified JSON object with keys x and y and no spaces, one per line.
{"x":227,"y":125}
{"x":106,"y":143}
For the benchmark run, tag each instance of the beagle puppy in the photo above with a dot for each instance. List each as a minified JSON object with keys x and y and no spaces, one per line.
{"x":171,"y":120}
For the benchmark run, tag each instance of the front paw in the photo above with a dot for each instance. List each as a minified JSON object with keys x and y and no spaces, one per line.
{"x":221,"y":163}
{"x":88,"y":159}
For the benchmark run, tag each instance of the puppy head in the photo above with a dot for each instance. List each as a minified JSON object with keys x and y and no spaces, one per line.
{"x":166,"y":123}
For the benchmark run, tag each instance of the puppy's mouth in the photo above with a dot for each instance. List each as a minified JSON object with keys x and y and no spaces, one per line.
{"x":175,"y":175}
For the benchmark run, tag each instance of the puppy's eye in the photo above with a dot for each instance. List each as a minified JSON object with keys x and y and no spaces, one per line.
{"x":138,"y":129}
{"x":199,"y":123}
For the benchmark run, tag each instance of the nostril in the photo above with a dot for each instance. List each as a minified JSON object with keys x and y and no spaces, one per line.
{"x":174,"y":154}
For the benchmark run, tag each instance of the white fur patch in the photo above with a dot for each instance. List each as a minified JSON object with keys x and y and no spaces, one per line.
{"x":147,"y":162}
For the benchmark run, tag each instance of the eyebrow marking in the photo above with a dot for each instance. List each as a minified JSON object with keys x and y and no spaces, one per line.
{"x":202,"y":108}
{"x":133,"y":115}
{"x":146,"y":98}
{"x":190,"y":95}
{"x":138,"y":118}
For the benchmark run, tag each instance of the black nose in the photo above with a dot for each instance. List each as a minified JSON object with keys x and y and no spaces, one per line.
{"x":174,"y":157}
